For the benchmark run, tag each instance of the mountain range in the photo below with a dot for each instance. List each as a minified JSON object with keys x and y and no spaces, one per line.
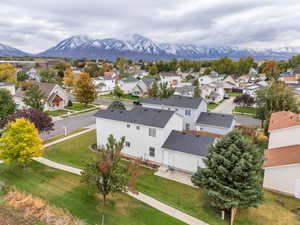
{"x":137,"y":47}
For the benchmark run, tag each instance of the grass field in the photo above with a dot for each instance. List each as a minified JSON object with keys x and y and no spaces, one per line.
{"x":64,"y":190}
{"x":78,"y":107}
{"x":211,"y":106}
{"x":124,"y":97}
{"x":193,"y":201}
{"x":58,"y":112}
{"x":233,"y":94}
{"x":62,"y":136}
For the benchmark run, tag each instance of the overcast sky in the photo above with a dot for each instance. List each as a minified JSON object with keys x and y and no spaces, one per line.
{"x":35,"y":25}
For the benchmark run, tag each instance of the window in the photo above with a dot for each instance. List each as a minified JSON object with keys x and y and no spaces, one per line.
{"x":128,"y":125}
{"x":152,"y":132}
{"x":127,"y":144}
{"x":137,"y":127}
{"x":187,"y":126}
{"x":187,"y":112}
{"x":152,"y":152}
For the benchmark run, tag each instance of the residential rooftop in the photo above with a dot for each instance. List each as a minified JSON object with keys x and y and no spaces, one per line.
{"x":194,"y":144}
{"x":283,"y":119}
{"x":175,"y":100}
{"x":216,"y":119}
{"x":6,"y":84}
{"x":138,"y":115}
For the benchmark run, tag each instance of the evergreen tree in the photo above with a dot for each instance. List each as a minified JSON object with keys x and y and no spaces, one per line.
{"x":117,"y":105}
{"x":34,"y":97}
{"x":233,"y":173}
{"x":153,"y":91}
{"x":7,"y":103}
{"x":22,"y":76}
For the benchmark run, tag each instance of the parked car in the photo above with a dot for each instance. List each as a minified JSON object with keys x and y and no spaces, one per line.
{"x":137,"y":103}
{"x":226,"y":96}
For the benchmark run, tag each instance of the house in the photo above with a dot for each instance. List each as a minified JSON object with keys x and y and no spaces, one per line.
{"x":106,"y":83}
{"x":187,"y":107}
{"x":155,"y":135}
{"x":186,"y":90}
{"x":55,"y":96}
{"x":230,"y":84}
{"x":282,"y":158}
{"x":33,"y":74}
{"x":291,"y":76}
{"x":203,"y":80}
{"x":213,"y":92}
{"x":215,"y":123}
{"x":142,"y":87}
{"x":11,"y":87}
{"x":171,"y":78}
{"x":243,"y":80}
{"x":139,"y":74}
{"x":251,"y":89}
{"x":127,"y":84}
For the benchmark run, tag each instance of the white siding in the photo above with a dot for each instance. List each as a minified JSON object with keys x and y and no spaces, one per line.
{"x":284,"y":137}
{"x":282,"y":178}
{"x":139,"y":139}
{"x":215,"y":129}
{"x":182,"y":161}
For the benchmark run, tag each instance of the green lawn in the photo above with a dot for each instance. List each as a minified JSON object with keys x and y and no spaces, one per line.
{"x":78,"y":107}
{"x":58,"y":112}
{"x":211,"y":106}
{"x":193,"y":201}
{"x":124,"y":97}
{"x":62,"y":136}
{"x":233,"y":94}
{"x":245,"y":110}
{"x":64,"y":190}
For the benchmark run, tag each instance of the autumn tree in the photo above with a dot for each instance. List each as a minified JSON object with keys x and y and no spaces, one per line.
{"x":85,"y":89}
{"x":274,"y":98}
{"x":41,"y":120}
{"x":153,"y":90}
{"x":243,"y":65}
{"x":20,"y":142}
{"x":69,"y":78}
{"x":8,"y":73}
{"x":233,"y":173}
{"x":153,"y":70}
{"x":34,"y":97}
{"x":92,"y":69}
{"x":7,"y":103}
{"x":272,"y":70}
{"x":108,"y":174}
{"x":50,"y":76}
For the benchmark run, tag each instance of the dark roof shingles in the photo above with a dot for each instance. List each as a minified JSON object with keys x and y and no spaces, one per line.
{"x":215,"y":119}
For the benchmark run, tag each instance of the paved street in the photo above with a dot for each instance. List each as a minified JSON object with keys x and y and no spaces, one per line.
{"x":225,"y":107}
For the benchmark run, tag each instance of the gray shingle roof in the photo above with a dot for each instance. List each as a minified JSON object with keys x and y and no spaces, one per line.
{"x":175,"y":100}
{"x":188,"y":143}
{"x":215,"y":119}
{"x":149,"y":81}
{"x":129,"y":80}
{"x":138,"y":115}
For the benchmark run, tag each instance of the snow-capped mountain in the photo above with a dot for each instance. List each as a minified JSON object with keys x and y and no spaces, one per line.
{"x":6,"y":50}
{"x":139,"y":47}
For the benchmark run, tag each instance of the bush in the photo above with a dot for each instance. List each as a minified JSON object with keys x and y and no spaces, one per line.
{"x":70,"y":103}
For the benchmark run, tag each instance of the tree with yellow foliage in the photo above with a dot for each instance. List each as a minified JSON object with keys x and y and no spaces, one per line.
{"x":8,"y":73}
{"x":85,"y":90}
{"x":20,"y":142}
{"x":69,"y":77}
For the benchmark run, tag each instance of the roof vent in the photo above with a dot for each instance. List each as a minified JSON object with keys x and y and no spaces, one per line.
{"x":159,"y":111}
{"x":197,"y":135}
{"x":183,"y":133}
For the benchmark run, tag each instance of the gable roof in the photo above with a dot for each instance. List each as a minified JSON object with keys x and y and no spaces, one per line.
{"x":175,"y":100}
{"x":215,"y":119}
{"x":46,"y":88}
{"x":194,"y":144}
{"x":283,"y":119}
{"x":138,"y":115}
{"x":129,"y":80}
{"x":282,"y":156}
{"x":149,"y":81}
{"x":169,"y":74}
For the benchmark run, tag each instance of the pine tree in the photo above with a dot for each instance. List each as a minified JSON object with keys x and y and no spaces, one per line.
{"x":34,"y":97}
{"x":233,"y":173}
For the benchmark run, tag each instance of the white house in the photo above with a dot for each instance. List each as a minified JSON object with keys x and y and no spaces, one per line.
{"x":171,"y":78}
{"x":215,"y":123}
{"x":282,"y":158}
{"x":213,"y":92}
{"x":127,"y":84}
{"x":142,"y":87}
{"x":55,"y":96}
{"x":203,"y":80}
{"x":251,"y":89}
{"x":155,"y":135}
{"x":11,"y":87}
{"x":106,"y":83}
{"x":189,"y":108}
{"x":186,"y":90}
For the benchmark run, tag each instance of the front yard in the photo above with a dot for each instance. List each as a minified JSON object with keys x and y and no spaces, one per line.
{"x":190,"y":200}
{"x":245,"y":110}
{"x":124,"y":97}
{"x":75,"y":109}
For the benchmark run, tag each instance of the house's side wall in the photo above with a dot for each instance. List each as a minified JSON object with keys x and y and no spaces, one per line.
{"x":284,"y":137}
{"x":10,"y":88}
{"x":214,"y":129}
{"x":182,"y":161}
{"x":282,"y":178}
{"x":139,"y":139}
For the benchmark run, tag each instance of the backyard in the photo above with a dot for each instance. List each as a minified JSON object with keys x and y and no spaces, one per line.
{"x":190,"y":200}
{"x":245,"y":110}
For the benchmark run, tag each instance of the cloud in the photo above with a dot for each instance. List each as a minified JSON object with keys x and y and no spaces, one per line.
{"x":34,"y":25}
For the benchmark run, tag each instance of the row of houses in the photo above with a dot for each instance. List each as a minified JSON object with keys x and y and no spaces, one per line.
{"x":175,"y":132}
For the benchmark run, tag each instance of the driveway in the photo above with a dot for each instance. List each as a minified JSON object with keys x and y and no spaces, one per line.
{"x":227,"y":107}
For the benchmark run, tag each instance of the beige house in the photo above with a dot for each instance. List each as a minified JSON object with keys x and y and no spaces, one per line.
{"x":282,"y":158}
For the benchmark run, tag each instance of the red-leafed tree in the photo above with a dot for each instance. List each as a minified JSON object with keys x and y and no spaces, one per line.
{"x":41,"y":120}
{"x":244,"y":100}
